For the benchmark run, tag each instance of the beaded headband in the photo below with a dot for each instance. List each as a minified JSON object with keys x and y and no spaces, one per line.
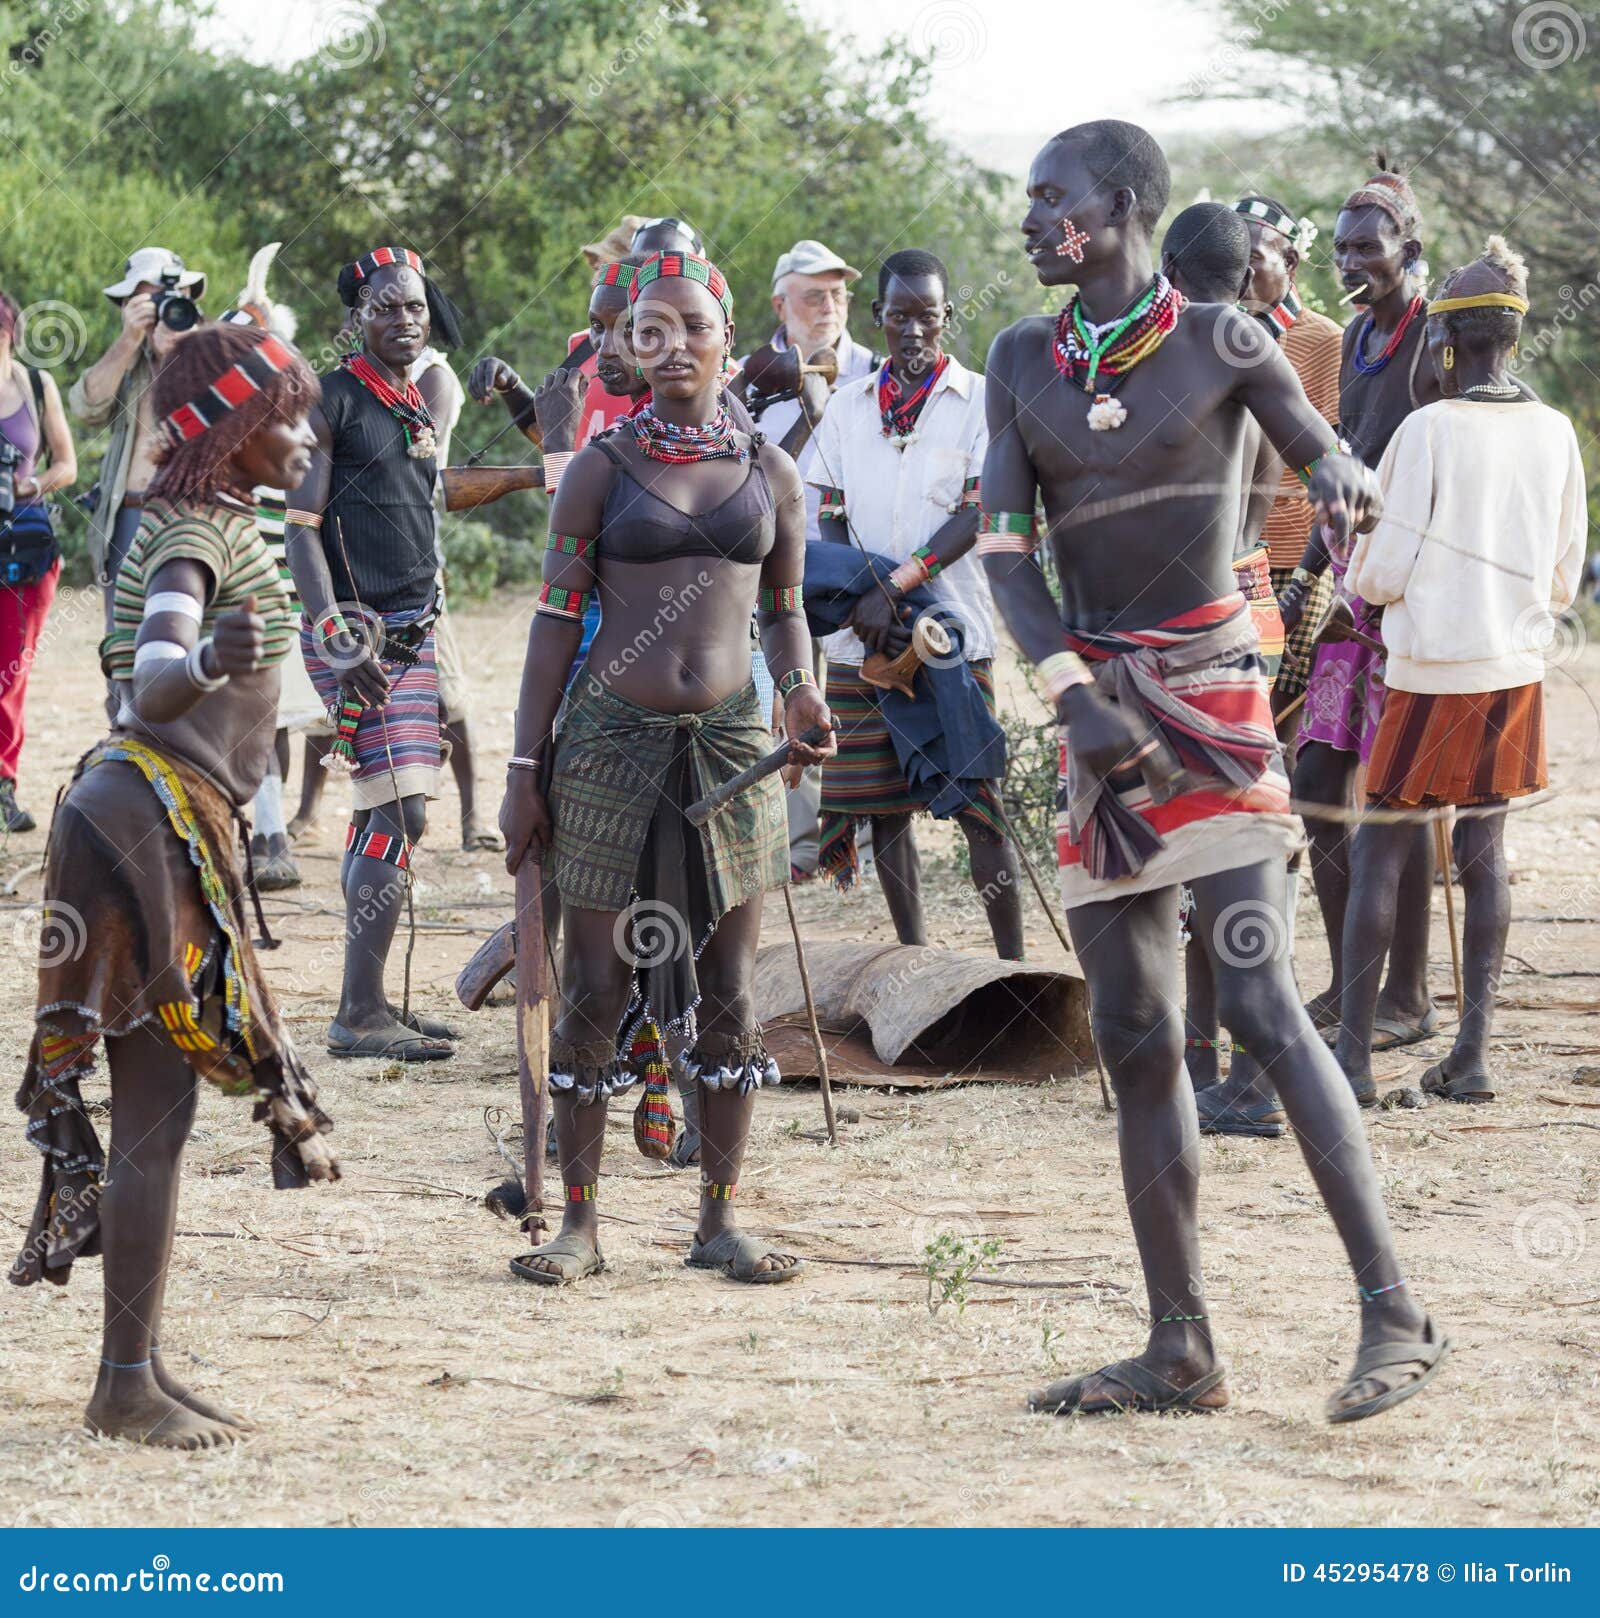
{"x":688,"y":266}
{"x":615,"y":275}
{"x":241,"y":381}
{"x":1301,"y":232}
{"x":381,"y":257}
{"x":1481,"y":300}
{"x":1393,"y":195}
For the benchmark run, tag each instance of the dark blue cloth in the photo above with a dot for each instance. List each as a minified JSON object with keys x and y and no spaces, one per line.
{"x":947,"y":742}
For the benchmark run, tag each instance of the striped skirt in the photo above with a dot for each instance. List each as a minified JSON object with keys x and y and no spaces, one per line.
{"x":864,"y":777}
{"x":403,"y":733}
{"x":1435,"y":748}
{"x":1254,"y":579}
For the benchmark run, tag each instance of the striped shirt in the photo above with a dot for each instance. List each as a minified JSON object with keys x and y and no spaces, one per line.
{"x":271,"y":505}
{"x":228,"y":545}
{"x":1311,"y":345}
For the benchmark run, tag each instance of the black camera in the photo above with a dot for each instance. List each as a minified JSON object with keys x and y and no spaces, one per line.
{"x":9,"y":456}
{"x":176,"y":310}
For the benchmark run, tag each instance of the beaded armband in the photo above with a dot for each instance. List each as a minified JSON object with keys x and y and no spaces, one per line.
{"x":787,"y":598}
{"x":970,"y":496}
{"x":1060,"y":671}
{"x":793,"y":680}
{"x":832,"y":504}
{"x":558,"y":603}
{"x":1006,"y":531}
{"x":568,"y":545}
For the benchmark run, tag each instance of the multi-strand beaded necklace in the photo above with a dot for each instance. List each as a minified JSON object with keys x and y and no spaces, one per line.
{"x":1358,"y":356}
{"x":1088,"y":353}
{"x":407,"y":408}
{"x":899,"y":407}
{"x":713,"y":440}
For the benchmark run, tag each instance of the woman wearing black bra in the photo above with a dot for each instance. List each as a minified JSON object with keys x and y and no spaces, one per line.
{"x":679,"y":520}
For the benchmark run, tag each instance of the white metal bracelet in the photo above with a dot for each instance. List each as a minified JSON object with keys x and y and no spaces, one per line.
{"x":195,"y":664}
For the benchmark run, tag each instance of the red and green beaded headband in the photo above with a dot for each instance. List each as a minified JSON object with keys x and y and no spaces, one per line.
{"x":241,"y":381}
{"x":614,"y":275}
{"x":690,"y":267}
{"x":381,"y":258}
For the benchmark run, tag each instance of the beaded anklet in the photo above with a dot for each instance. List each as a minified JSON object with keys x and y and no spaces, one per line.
{"x":786,"y":598}
{"x":582,"y":1193}
{"x":114,"y":1365}
{"x":1174,"y":1320}
{"x":717,"y":1191}
{"x":1225,"y":1045}
{"x":1377,"y":1292}
{"x":793,"y":680}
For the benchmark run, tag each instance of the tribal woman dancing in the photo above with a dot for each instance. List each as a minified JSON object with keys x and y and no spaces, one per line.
{"x":145,"y":941}
{"x":679,"y":520}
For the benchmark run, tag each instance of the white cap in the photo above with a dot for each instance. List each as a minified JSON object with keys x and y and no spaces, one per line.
{"x":809,"y":257}
{"x":149,"y":264}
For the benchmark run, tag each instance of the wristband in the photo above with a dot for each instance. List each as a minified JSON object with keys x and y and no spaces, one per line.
{"x":515,"y":382}
{"x":195,"y":665}
{"x":785,"y":598}
{"x":554,"y":465}
{"x":832,"y":504}
{"x":1060,"y":671}
{"x":332,"y":624}
{"x":556,"y":602}
{"x":970,"y":496}
{"x":518,"y":761}
{"x":303,"y":519}
{"x":791,"y":682}
{"x":1304,"y":576}
{"x":910,"y":573}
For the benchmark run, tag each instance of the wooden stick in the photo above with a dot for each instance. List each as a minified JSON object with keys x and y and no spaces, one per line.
{"x":1441,"y":843}
{"x":533,"y":1036}
{"x":702,"y":809}
{"x":811,"y":1017}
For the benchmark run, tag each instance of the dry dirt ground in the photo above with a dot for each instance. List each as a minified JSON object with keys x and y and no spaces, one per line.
{"x":401,"y":1375}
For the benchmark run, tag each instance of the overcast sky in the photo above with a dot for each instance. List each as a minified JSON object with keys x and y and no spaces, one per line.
{"x":1007,"y":72}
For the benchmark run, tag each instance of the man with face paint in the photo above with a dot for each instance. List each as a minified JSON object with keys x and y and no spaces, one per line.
{"x":1126,"y":414}
{"x":361,"y":544}
{"x":1384,"y":376}
{"x":897,"y":461}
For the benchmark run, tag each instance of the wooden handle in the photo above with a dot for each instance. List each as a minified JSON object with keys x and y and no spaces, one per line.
{"x":469,"y":486}
{"x":533,"y":1034}
{"x":703,"y":809}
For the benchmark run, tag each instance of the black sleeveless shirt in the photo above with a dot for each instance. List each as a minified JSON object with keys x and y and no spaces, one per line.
{"x":380,"y":502}
{"x":1371,"y":408}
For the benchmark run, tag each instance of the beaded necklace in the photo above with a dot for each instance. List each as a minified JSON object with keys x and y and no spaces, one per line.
{"x":1366,"y":367}
{"x":1284,"y":312}
{"x":713,"y":440}
{"x":407,"y":408}
{"x":899,"y":409}
{"x":1086,"y":352}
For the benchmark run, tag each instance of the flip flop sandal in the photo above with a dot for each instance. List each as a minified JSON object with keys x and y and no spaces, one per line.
{"x":1148,"y":1393}
{"x":1261,"y":1120}
{"x":1391,"y":1033}
{"x":401,"y":1045}
{"x":1429,"y":1351}
{"x":482,"y":842}
{"x":737,"y":1256}
{"x":431,"y":1026}
{"x":1324,"y":1014}
{"x":1365,"y":1092}
{"x":584,"y":1260}
{"x":1472,"y":1088}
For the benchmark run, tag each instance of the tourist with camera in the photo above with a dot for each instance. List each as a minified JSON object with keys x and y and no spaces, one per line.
{"x":33,"y":428}
{"x":159,"y":300}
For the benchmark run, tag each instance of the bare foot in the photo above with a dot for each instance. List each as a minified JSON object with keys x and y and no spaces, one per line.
{"x":147,"y":1415}
{"x":190,"y":1400}
{"x":303,"y":826}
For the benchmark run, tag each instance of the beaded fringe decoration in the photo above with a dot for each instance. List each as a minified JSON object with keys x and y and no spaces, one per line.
{"x":653,"y":1123}
{"x":341,"y":757}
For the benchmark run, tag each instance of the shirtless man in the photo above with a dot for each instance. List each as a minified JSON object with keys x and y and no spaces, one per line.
{"x":1128,"y":416}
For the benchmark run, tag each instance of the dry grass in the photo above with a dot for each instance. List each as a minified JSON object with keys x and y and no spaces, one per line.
{"x":401,"y":1375}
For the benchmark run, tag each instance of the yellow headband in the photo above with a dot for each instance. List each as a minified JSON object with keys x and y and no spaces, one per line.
{"x":1483,"y":300}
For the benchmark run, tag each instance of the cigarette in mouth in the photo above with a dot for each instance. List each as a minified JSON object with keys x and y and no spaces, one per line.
{"x":1352,"y":295}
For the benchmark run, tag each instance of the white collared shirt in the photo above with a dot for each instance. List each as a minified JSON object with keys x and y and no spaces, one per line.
{"x":898,"y":499}
{"x":777,"y":419}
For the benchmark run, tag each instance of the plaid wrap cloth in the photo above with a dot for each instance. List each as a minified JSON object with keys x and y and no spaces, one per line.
{"x":610,"y":767}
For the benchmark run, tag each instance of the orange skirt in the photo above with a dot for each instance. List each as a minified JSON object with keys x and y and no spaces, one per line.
{"x":1436,"y":748}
